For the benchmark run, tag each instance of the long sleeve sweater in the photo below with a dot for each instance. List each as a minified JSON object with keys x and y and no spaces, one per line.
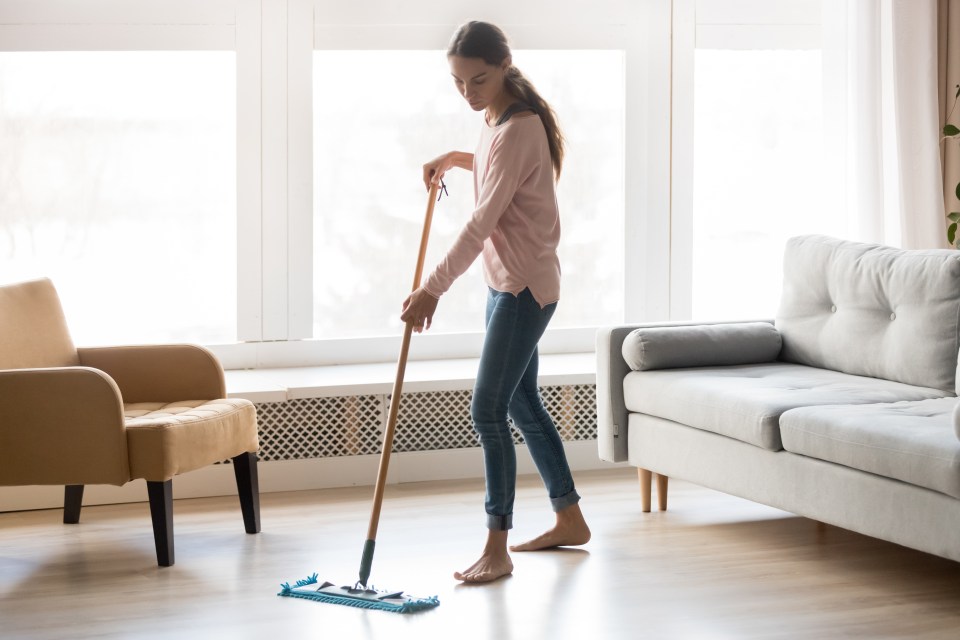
{"x":516,"y":222}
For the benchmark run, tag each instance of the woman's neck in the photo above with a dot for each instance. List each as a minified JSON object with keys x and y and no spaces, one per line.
{"x":496,"y":108}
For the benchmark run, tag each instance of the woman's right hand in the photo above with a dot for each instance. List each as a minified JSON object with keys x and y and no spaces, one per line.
{"x":434,"y":170}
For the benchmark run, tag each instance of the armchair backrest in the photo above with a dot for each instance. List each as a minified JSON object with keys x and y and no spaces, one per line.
{"x":33,"y":329}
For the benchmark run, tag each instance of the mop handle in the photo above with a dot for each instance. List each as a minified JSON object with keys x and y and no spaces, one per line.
{"x":367,"y":560}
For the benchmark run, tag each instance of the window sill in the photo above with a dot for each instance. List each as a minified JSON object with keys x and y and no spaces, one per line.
{"x":281,"y":384}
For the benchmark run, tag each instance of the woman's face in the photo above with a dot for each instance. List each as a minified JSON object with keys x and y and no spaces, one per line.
{"x":480,"y":84}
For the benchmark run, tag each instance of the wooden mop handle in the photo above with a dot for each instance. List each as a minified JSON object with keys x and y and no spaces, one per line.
{"x":398,"y":382}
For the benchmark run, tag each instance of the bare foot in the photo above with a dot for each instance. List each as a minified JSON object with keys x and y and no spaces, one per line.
{"x":571,"y":530}
{"x":494,"y":563}
{"x":486,"y":569}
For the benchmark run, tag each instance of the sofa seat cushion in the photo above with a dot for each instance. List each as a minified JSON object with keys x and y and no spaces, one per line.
{"x":745,"y":402}
{"x":165,"y":439}
{"x":909,"y":441}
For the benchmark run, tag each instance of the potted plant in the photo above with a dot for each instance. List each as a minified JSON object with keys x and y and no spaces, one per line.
{"x":950,"y":132}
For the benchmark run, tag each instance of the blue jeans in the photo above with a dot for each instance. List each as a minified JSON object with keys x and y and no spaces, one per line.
{"x":507,"y":384}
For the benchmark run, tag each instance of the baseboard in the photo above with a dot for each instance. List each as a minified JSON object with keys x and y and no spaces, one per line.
{"x":298,"y":475}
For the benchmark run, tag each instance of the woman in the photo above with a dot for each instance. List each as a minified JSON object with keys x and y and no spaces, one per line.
{"x":516,"y":227}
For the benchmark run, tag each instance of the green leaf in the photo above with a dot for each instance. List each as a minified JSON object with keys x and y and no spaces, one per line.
{"x":950,"y":130}
{"x":957,"y":190}
{"x":952,"y":234}
{"x":954,"y":216}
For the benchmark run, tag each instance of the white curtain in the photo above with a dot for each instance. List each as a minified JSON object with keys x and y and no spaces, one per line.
{"x":882,"y":117}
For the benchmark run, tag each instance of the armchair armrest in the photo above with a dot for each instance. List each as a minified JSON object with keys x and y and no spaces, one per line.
{"x":159,"y":373}
{"x":612,"y":368}
{"x":61,"y":426}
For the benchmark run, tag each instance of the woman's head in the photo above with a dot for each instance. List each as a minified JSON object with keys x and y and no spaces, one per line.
{"x":480,"y":40}
{"x":482,"y":67}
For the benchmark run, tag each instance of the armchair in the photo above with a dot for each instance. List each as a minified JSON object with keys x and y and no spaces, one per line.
{"x":109,"y":415}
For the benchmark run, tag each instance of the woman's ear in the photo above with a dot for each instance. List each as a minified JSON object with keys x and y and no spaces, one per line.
{"x":506,"y":64}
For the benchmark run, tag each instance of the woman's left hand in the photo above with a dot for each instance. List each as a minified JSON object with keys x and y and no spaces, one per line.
{"x":419,"y":308}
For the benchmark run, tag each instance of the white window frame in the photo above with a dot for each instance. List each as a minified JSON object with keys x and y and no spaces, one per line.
{"x":274,"y":41}
{"x":717,"y":24}
{"x":428,"y":24}
{"x":171,"y":25}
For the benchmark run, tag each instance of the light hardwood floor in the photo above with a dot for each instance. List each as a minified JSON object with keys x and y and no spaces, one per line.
{"x":711,"y":567}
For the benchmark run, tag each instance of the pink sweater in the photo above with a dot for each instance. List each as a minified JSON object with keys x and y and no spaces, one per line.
{"x":516,"y":223}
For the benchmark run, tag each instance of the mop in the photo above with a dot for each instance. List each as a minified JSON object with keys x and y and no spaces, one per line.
{"x":360,"y":595}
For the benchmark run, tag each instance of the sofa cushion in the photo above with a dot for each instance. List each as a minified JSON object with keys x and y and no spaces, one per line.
{"x":745,"y":402}
{"x":702,"y":345}
{"x":909,"y":441}
{"x":872,"y":310}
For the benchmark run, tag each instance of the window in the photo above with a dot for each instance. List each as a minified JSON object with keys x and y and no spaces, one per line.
{"x":118,"y":182}
{"x":748,"y":152}
{"x":758,"y":138}
{"x":379,"y":115}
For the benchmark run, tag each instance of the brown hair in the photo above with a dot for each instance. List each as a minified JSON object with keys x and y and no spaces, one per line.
{"x":488,"y":42}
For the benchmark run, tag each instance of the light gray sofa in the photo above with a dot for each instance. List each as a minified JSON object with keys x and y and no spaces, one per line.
{"x":843,"y":409}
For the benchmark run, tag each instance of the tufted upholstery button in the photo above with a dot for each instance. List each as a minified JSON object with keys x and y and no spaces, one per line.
{"x":893,"y":316}
{"x":833,"y":308}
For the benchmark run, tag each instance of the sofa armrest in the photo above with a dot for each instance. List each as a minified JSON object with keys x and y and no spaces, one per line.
{"x":611,"y":410}
{"x":956,"y":419}
{"x":611,"y":370}
{"x":159,"y":373}
{"x":61,"y":426}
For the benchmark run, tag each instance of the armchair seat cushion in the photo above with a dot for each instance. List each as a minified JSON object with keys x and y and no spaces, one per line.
{"x":166,"y":439}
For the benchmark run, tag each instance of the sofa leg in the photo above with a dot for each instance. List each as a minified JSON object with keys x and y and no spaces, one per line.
{"x":161,"y":512}
{"x":248,"y":488}
{"x":72,"y":501}
{"x":662,"y":492}
{"x":646,"y":478}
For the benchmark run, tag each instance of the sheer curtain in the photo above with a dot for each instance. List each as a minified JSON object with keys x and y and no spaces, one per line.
{"x":883,"y":109}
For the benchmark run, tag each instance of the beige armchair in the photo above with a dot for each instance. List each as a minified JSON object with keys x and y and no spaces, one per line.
{"x":109,"y":415}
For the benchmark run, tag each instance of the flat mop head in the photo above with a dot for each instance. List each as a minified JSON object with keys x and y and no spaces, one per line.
{"x":395,"y":601}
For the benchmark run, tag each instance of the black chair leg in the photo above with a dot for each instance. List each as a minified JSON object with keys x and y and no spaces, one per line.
{"x":72,"y":501}
{"x":248,"y":487}
{"x":161,"y":512}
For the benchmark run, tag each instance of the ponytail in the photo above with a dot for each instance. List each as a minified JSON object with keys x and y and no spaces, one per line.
{"x":523,"y":90}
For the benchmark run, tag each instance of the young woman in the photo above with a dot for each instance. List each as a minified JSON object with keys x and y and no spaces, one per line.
{"x":516,"y":227}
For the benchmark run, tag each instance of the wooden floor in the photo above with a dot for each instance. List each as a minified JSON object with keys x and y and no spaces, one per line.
{"x":712,"y":567}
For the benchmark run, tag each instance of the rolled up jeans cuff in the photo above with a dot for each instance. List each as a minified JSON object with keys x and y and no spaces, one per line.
{"x":500,"y":523}
{"x":564,"y":501}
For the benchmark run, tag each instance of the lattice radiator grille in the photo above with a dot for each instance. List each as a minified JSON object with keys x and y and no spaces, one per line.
{"x":428,"y":421}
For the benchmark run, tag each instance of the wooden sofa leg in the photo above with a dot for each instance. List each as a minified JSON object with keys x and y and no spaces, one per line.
{"x":161,"y":512}
{"x":248,"y":488}
{"x":645,"y":482}
{"x":72,"y":501}
{"x":662,"y":492}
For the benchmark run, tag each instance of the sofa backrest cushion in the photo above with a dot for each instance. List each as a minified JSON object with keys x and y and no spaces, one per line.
{"x":33,"y":330}
{"x":872,"y":310}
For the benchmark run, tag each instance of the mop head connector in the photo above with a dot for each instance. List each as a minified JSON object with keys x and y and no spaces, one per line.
{"x":356,"y":596}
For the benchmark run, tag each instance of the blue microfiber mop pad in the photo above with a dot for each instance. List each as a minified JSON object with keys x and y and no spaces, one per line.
{"x":395,"y":601}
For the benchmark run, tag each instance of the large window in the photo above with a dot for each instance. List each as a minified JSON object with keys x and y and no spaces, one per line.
{"x":117,"y":181}
{"x":379,"y":115}
{"x":758,"y":156}
{"x":748,"y":151}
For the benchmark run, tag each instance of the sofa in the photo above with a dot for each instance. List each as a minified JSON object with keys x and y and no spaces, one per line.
{"x":842,"y":409}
